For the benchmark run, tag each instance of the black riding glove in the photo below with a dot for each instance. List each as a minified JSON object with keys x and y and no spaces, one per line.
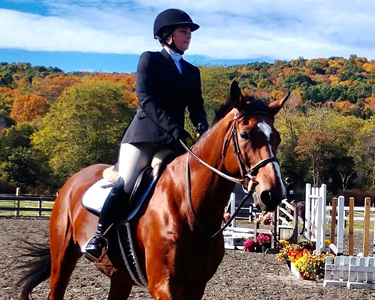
{"x":200,"y":129}
{"x":180,"y":133}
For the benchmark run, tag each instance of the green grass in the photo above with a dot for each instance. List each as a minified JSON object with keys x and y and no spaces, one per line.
{"x":12,"y":203}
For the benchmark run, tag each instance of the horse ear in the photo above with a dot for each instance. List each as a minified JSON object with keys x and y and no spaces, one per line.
{"x":235,"y":95}
{"x":275,"y":106}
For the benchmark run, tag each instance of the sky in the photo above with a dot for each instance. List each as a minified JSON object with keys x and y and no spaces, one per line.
{"x":110,"y":35}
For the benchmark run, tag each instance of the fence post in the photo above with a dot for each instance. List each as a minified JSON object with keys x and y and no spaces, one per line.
{"x":40,"y":207}
{"x":366,"y":229}
{"x":333,"y":220}
{"x":351,"y":226}
{"x":17,"y":202}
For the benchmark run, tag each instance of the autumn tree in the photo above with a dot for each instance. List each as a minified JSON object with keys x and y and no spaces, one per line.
{"x":364,"y":154}
{"x":84,"y":127}
{"x":27,"y":107}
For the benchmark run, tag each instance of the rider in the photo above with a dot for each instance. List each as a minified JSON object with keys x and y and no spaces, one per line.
{"x":289,"y":190}
{"x":166,"y":85}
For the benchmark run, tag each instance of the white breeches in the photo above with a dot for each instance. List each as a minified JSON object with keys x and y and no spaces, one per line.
{"x":133,"y":158}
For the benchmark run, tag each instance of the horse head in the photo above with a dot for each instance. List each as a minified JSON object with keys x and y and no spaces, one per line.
{"x":255,"y":142}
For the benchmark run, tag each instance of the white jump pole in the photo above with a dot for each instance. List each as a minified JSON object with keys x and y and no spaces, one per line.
{"x":308,"y":210}
{"x":233,"y":208}
{"x":315,"y":215}
{"x":340,"y":225}
{"x":318,"y":225}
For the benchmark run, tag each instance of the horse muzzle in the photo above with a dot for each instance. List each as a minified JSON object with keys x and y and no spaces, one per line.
{"x":268,"y":200}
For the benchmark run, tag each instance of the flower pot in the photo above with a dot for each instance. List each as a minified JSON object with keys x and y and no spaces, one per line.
{"x":265,"y":246}
{"x":288,"y":264}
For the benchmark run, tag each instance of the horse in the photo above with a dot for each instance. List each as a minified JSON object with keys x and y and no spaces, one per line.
{"x":300,"y":205}
{"x":179,"y":244}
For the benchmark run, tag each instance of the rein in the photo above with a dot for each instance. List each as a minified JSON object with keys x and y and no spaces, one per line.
{"x":246,"y":173}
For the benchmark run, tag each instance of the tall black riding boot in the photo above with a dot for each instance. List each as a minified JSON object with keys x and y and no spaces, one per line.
{"x":113,"y":207}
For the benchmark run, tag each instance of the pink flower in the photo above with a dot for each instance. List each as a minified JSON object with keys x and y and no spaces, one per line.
{"x":264,"y":238}
{"x":227,"y":216}
{"x":250,"y":245}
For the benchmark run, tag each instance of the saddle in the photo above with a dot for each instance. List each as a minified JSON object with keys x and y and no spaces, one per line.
{"x":145,"y":182}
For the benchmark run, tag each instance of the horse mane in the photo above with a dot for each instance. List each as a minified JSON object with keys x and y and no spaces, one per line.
{"x":251,"y":104}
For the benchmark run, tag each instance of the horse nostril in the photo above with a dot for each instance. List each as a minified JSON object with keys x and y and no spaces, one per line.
{"x":269,"y":202}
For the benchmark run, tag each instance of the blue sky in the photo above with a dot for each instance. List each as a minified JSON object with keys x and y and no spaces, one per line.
{"x":110,"y":35}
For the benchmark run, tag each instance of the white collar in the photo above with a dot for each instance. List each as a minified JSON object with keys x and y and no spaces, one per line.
{"x":175,"y":56}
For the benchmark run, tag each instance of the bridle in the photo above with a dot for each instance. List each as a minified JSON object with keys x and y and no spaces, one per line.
{"x":247,"y":173}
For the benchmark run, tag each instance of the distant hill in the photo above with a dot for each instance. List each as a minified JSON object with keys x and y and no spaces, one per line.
{"x":345,"y":84}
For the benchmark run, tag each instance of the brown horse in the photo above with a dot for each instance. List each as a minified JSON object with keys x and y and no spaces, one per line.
{"x":174,"y":243}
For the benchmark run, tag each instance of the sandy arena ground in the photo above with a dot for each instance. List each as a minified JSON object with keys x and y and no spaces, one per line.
{"x":241,"y":275}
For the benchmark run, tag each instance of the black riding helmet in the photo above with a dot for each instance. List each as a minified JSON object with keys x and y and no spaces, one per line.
{"x":167,"y":21}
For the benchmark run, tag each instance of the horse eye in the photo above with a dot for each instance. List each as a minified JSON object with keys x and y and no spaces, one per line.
{"x":245,"y":135}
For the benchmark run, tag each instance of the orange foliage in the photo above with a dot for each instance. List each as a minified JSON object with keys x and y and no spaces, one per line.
{"x":287,"y":71}
{"x":51,"y":87}
{"x":342,"y":106}
{"x":369,"y":67}
{"x":334,"y":80}
{"x":347,"y":83}
{"x":279,"y":81}
{"x":129,"y":80}
{"x":27,"y":107}
{"x":338,"y":63}
{"x":6,"y":92}
{"x":370,"y":104}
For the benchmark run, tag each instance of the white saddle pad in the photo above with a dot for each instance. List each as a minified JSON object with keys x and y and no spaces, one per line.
{"x":95,"y":196}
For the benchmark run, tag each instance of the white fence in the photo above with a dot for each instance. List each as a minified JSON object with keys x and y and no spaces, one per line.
{"x":357,"y":209}
{"x":353,"y":272}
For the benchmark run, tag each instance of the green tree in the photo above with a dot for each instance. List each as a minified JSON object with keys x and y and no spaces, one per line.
{"x":364,"y":155}
{"x":16,"y":136}
{"x":27,"y":169}
{"x":296,"y":80}
{"x":215,"y":88}
{"x":84,"y":127}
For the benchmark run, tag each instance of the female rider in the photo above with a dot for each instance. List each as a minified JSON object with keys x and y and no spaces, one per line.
{"x":166,"y":85}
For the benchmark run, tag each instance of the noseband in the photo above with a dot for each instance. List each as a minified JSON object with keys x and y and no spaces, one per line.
{"x":247,"y":173}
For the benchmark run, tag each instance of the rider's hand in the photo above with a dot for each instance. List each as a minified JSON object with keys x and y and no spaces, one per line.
{"x":200,"y":129}
{"x":180,"y":133}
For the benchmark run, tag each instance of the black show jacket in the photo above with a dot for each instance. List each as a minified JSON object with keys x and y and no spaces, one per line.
{"x":163,"y":95}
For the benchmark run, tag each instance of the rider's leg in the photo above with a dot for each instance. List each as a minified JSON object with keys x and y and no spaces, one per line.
{"x":132,"y":159}
{"x":115,"y":203}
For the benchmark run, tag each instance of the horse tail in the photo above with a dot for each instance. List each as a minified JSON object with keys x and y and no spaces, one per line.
{"x":37,"y":265}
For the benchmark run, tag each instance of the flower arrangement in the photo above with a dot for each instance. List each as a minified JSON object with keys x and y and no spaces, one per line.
{"x":265,"y":218}
{"x":308,"y":265}
{"x":264,"y":238}
{"x":312,"y":266}
{"x":282,"y":244}
{"x":288,"y":249}
{"x":250,"y":245}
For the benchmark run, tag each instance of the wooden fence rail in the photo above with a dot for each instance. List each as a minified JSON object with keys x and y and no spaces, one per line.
{"x":43,"y":203}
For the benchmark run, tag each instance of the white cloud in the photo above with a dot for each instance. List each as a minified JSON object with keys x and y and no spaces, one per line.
{"x":237,"y":29}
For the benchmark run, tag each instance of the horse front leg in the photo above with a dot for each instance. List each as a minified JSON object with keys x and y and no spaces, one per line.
{"x":120,"y":289}
{"x":161,"y":289}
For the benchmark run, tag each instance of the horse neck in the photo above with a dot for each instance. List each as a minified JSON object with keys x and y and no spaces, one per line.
{"x":211,"y":192}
